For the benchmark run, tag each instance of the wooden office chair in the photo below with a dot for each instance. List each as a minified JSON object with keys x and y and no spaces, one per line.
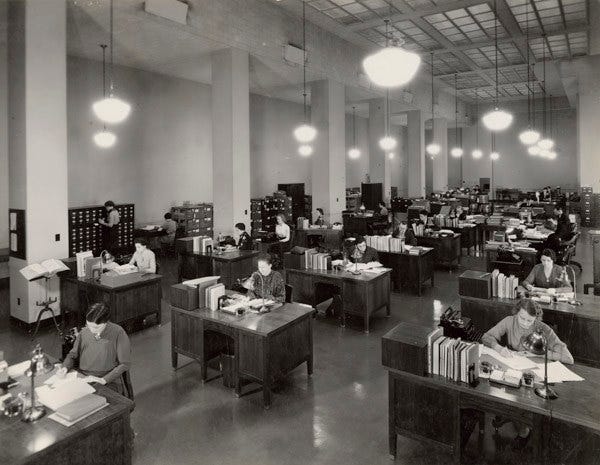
{"x":288,"y":293}
{"x":570,"y":251}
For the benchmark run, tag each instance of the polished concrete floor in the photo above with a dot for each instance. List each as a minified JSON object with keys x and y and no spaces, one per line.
{"x":339,"y":415}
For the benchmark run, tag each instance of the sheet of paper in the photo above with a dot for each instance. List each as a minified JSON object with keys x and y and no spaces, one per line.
{"x":516,"y":362}
{"x":66,"y":392}
{"x":557,"y":373}
{"x":55,"y":380}
{"x":13,"y":221}
{"x":14,"y":243}
{"x":18,"y":370}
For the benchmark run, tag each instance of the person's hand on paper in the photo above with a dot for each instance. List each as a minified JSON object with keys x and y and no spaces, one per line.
{"x":506,"y":352}
{"x":529,"y":287}
{"x":94,"y":379}
{"x":551,"y":291}
{"x":525,"y":353}
{"x":61,"y":371}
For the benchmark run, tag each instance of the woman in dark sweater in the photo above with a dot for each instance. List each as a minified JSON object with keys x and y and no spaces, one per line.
{"x":266,"y":283}
{"x":101,"y":350}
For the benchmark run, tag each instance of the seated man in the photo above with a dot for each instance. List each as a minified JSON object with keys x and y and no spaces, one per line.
{"x":362,"y":253}
{"x":170,"y":227}
{"x":244,"y":239}
{"x":101,"y":350}
{"x":406,"y":233}
{"x":143,"y":257}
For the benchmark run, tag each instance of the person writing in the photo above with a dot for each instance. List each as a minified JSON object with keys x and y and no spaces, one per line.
{"x":362,"y":253}
{"x":170,"y":227}
{"x":110,"y":232}
{"x":406,"y":233}
{"x":266,"y":283}
{"x":244,"y":239}
{"x":526,"y":319}
{"x":547,"y":275}
{"x":101,"y":350}
{"x":319,"y":216}
{"x":143,"y":257}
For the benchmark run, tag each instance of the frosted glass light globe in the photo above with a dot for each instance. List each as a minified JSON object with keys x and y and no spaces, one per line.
{"x":391,"y":155}
{"x":546,"y":144}
{"x":477,"y":153}
{"x":111,"y":110}
{"x":305,"y":150}
{"x":494,"y":156}
{"x":105,"y":139}
{"x":433,"y":149}
{"x":534,"y":150}
{"x":305,"y":133}
{"x":552,"y":155}
{"x":354,"y":153}
{"x":391,"y":67}
{"x":387,"y":143}
{"x":497,"y":120}
{"x":456,"y":152}
{"x":529,"y":136}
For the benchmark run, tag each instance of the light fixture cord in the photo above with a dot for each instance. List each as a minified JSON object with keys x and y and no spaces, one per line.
{"x":455,"y":109}
{"x":432,"y":116}
{"x":354,"y":126}
{"x":387,"y":112}
{"x":496,"y":44}
{"x":528,"y":64}
{"x":103,"y":46}
{"x":477,"y":117}
{"x":544,"y":83}
{"x":111,"y":46}
{"x":304,"y":57}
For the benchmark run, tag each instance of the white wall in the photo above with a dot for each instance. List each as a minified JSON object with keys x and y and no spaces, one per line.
{"x":163,"y":154}
{"x":3,"y":127}
{"x":516,"y":168}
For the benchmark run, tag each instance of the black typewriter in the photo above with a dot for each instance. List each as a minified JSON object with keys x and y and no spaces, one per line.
{"x":457,"y":326}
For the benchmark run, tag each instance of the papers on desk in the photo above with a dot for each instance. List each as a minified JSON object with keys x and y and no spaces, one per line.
{"x":378,"y":270}
{"x":18,"y":370}
{"x":362,"y":266}
{"x":196,"y":282}
{"x":56,"y":380}
{"x":63,"y":394}
{"x":516,"y":362}
{"x":151,"y":227}
{"x":557,"y":373}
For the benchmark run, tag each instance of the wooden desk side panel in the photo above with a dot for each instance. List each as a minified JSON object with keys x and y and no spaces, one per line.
{"x":186,"y":334}
{"x":303,"y":287}
{"x":134,"y":302}
{"x":251,"y":355}
{"x":290,"y":348}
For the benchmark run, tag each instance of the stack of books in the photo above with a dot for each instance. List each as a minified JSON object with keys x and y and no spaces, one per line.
{"x":314,"y":260}
{"x":452,"y":358}
{"x":385,"y":243}
{"x":504,"y":286}
{"x":494,"y":220}
{"x":418,"y":229}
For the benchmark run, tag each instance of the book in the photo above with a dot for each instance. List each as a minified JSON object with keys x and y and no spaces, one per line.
{"x":212,"y":294}
{"x":431,"y":338}
{"x":81,"y":407}
{"x":45,"y":269}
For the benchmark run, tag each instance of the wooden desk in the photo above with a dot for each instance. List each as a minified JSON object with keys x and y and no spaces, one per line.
{"x":361,"y":294}
{"x":331,"y":238}
{"x":578,"y":327}
{"x":231,"y":266}
{"x":431,"y":409}
{"x":488,"y":230}
{"x":361,"y":225}
{"x":127,"y":302}
{"x":469,"y":237}
{"x":409,"y":270}
{"x":103,"y":438}
{"x":266,"y":347}
{"x":447,"y":249}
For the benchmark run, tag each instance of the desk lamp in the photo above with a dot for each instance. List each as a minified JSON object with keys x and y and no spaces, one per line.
{"x":574,"y":301}
{"x":39,"y":364}
{"x":537,"y":344}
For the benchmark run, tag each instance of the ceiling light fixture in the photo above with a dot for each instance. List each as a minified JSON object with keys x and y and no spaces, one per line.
{"x":104,"y":139}
{"x":533,"y":150}
{"x":305,"y":150}
{"x":457,"y":151}
{"x":111,"y":109}
{"x":392,"y":66}
{"x":432,"y":148}
{"x":494,"y":156}
{"x":354,"y":151}
{"x":497,"y":120}
{"x":477,"y":153}
{"x":529,"y":136}
{"x":305,"y":132}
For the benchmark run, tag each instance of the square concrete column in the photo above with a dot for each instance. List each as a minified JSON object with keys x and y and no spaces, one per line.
{"x":377,"y":158}
{"x":328,"y":163}
{"x":440,"y":161}
{"x":37,"y":143}
{"x":416,"y":153}
{"x":588,"y":115}
{"x":231,"y":139}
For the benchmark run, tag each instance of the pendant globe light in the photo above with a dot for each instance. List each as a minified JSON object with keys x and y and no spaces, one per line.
{"x":457,"y":151}
{"x":497,"y":119}
{"x":305,"y":132}
{"x":354,"y":151}
{"x":104,"y":139}
{"x":534,"y":150}
{"x":387,"y":142}
{"x":529,"y":136}
{"x":111,"y":109}
{"x":432,"y":148}
{"x":476,"y":153}
{"x":305,"y":150}
{"x":546,"y":143}
{"x":392,"y":66}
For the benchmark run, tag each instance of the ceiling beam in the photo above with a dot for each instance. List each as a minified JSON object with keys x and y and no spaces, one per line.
{"x":409,"y":14}
{"x":500,"y":69}
{"x":511,"y":25}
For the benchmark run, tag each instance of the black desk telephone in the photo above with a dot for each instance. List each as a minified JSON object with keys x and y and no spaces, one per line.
{"x":457,"y":326}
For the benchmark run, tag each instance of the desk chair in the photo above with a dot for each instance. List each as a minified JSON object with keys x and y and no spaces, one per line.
{"x":128,"y":387}
{"x":570,"y":250}
{"x":288,"y":293}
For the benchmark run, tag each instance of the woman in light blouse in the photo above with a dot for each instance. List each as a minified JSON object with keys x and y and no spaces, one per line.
{"x":547,"y":275}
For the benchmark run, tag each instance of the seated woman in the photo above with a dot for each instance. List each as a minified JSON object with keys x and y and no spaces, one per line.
{"x":266,"y":283}
{"x":547,"y":275}
{"x":406,"y":233}
{"x":319,"y":217}
{"x":526,"y":318}
{"x":143,"y":257}
{"x":101,"y":350}
{"x":362,"y":253}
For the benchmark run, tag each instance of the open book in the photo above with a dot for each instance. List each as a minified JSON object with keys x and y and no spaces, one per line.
{"x":47,"y":268}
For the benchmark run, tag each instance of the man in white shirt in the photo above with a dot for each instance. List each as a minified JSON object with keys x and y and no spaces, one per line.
{"x":143,"y":257}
